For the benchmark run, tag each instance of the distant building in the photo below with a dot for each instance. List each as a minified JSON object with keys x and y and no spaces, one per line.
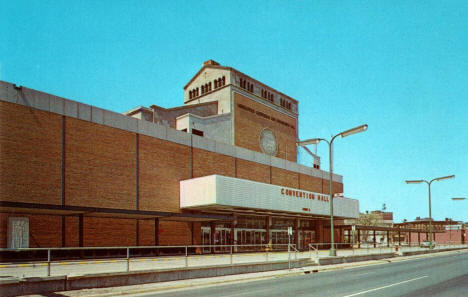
{"x":444,"y":232}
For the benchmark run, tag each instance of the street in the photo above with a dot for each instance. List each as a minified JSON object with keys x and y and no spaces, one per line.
{"x":432,"y":276}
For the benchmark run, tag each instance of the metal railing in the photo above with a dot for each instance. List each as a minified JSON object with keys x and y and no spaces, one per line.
{"x":201,"y":255}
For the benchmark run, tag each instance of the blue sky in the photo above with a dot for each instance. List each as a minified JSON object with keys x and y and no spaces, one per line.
{"x":399,"y":66}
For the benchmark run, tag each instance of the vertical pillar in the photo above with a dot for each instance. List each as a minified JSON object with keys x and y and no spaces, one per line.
{"x":419,"y":238}
{"x":296,"y":232}
{"x":399,"y":237}
{"x":375,"y":240}
{"x":409,"y":237}
{"x":80,"y":230}
{"x":156,"y":234}
{"x":359,"y":238}
{"x":213,"y":231}
{"x":267,"y":229}
{"x":137,"y":235}
{"x":388,"y":238}
{"x":233,"y":230}
{"x":63,"y":232}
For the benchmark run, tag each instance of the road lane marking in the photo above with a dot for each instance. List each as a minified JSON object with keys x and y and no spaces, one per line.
{"x":387,"y":286}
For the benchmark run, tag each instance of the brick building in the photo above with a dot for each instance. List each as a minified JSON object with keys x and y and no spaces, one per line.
{"x":444,"y":232}
{"x":220,"y":169}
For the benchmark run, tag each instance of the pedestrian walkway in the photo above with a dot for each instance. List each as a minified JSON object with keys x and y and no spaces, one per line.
{"x":73,"y":268}
{"x":152,"y":288}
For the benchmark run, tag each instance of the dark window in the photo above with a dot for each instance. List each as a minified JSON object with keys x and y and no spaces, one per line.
{"x":224,"y":80}
{"x":209,"y":86}
{"x":215,"y":83}
{"x":197,"y":132}
{"x":190,"y":94}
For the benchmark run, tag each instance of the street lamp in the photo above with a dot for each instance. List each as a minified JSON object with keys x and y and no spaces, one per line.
{"x":458,"y":198}
{"x":419,"y":181}
{"x":343,"y":134}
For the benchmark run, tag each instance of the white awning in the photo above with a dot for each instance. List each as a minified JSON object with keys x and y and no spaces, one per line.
{"x":217,"y":191}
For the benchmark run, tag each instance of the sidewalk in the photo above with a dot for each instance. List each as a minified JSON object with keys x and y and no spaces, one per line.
{"x":73,"y":268}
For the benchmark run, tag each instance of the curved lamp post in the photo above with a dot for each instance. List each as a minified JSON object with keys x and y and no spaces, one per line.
{"x":349,"y":132}
{"x":419,"y":181}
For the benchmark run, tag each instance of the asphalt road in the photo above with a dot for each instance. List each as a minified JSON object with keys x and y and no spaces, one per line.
{"x":432,"y":276}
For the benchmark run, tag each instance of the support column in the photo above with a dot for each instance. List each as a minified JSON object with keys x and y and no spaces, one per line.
{"x":80,"y":230}
{"x":267,"y":228}
{"x":419,"y":238}
{"x":233,"y":230}
{"x":388,"y":238}
{"x":375,"y":240}
{"x":359,"y":238}
{"x":213,"y":233}
{"x":409,"y":237}
{"x":156,"y":234}
{"x":399,"y":237}
{"x":296,"y":232}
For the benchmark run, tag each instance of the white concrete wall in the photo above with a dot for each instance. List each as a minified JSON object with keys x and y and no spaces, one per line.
{"x":216,"y":127}
{"x":217,"y":190}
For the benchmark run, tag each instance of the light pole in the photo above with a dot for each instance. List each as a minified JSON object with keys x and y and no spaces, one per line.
{"x":419,"y":181}
{"x":343,"y":134}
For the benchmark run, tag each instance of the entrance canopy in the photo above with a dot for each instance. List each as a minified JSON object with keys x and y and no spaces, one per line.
{"x":217,"y":192}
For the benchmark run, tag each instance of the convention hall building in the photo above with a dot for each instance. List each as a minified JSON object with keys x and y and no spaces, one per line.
{"x":220,"y":169}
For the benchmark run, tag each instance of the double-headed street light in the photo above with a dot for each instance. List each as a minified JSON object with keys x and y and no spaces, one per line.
{"x":349,"y":132}
{"x":419,"y":181}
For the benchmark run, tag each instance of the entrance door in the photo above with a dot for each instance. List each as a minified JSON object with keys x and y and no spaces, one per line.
{"x":206,"y":239}
{"x":222,"y":237}
{"x":18,"y":232}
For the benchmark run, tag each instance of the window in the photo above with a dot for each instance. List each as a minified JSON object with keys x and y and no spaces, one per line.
{"x":224,"y":80}
{"x":197,"y":132}
{"x":215,"y":83}
{"x":202,"y":89}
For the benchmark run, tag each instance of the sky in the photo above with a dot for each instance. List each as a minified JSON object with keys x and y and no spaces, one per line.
{"x":399,"y":66}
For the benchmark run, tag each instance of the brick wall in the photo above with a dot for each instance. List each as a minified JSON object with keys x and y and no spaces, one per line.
{"x":100,"y":166}
{"x":31,"y":155}
{"x":175,"y":233}
{"x":249,"y":125}
{"x":3,"y":230}
{"x":285,"y":178}
{"x":71,"y":231}
{"x":310,"y":183}
{"x":252,"y":171}
{"x":208,"y":163}
{"x":146,"y":232}
{"x":109,"y":232}
{"x":163,"y":165}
